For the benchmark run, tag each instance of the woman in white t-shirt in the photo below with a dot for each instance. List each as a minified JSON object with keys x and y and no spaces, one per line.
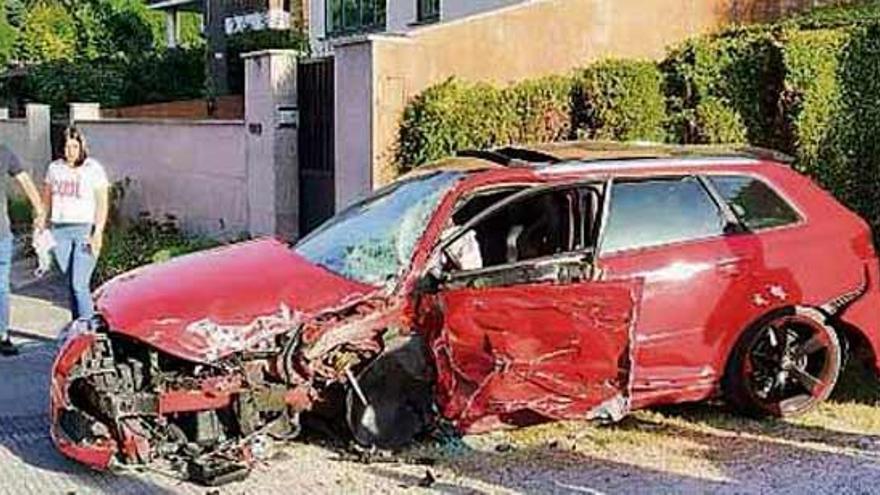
{"x":76,"y":193}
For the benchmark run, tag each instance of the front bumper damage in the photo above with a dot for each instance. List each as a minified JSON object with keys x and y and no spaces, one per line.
{"x":116,"y":403}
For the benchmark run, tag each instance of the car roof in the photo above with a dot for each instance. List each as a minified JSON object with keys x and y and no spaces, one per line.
{"x":555,"y":161}
{"x":602,"y":157}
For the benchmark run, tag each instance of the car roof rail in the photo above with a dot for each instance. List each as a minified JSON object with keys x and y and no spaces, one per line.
{"x":510,"y":156}
{"x":492,"y":156}
{"x":527,"y":155}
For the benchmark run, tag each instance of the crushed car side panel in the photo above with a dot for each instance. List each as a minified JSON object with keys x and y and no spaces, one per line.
{"x":512,"y":355}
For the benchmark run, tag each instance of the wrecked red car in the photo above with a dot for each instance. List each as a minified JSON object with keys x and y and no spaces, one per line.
{"x":502,"y":288}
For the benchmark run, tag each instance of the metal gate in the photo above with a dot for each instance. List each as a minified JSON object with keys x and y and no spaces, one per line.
{"x":316,"y":158}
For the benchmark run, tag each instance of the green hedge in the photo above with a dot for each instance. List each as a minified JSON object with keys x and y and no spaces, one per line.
{"x":166,"y":75}
{"x":610,"y":100}
{"x":738,"y":69}
{"x":811,"y":103}
{"x":620,"y":100}
{"x":857,"y":126}
{"x":453,"y":116}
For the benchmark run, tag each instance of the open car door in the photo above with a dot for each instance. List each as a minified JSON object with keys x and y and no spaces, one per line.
{"x":522,"y":344}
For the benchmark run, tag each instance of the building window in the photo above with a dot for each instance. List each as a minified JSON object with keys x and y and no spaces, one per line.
{"x":354,"y":16}
{"x":429,"y":10}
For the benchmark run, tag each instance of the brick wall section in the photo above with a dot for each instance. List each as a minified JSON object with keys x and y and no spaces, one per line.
{"x":224,"y":108}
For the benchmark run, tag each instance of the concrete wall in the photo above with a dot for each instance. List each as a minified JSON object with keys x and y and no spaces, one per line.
{"x":219,"y":178}
{"x":195,"y":171}
{"x":272,"y":156}
{"x":29,"y":138}
{"x":353,"y":134}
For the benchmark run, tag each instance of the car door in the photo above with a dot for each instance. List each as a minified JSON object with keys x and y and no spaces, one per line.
{"x":534,"y":338}
{"x":674,"y":235}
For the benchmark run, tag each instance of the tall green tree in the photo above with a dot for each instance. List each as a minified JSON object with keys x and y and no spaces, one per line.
{"x":8,"y":35}
{"x":48,"y":32}
{"x":88,"y":29}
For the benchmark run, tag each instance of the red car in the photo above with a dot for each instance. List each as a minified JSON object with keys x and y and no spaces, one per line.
{"x":503,"y":288}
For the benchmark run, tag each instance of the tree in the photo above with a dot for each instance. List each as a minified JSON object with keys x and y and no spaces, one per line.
{"x":8,"y":36}
{"x":88,"y":29}
{"x":48,"y":33}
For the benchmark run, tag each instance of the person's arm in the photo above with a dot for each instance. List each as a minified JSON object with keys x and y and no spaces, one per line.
{"x":46,"y":193}
{"x":30,"y":190}
{"x":102,"y":204}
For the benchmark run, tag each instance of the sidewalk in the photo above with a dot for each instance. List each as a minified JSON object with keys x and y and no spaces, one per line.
{"x":39,"y":306}
{"x":29,"y":463}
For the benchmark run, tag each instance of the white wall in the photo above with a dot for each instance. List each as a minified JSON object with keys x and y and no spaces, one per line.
{"x":29,"y":138}
{"x":401,"y":16}
{"x":194,"y":170}
{"x":353,"y":123}
{"x":14,"y":134}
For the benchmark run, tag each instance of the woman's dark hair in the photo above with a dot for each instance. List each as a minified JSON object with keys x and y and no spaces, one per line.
{"x":78,"y":136}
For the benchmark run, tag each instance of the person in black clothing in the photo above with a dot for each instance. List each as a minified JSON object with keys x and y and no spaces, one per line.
{"x":11,"y":165}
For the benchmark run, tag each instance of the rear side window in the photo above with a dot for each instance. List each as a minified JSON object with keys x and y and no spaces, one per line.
{"x":755,"y":204}
{"x":660,"y":211}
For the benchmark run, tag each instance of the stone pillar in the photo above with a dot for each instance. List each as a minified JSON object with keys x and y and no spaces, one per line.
{"x":84,"y":111}
{"x":272,"y":158}
{"x":39,"y":147}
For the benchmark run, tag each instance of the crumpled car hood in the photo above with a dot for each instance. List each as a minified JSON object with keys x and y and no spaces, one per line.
{"x":205,"y":306}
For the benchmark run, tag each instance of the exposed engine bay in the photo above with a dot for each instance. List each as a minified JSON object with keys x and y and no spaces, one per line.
{"x":207,"y":423}
{"x":200,"y":422}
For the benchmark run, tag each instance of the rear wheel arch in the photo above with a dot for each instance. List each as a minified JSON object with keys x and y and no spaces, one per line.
{"x":730,"y":385}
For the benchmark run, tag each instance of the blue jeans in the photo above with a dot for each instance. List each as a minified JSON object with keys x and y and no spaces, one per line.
{"x":5,"y":268}
{"x":73,"y":253}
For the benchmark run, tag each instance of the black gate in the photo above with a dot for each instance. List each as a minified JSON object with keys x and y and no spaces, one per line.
{"x":316,"y":158}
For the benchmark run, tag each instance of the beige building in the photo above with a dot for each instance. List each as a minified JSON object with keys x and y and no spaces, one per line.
{"x":378,"y":69}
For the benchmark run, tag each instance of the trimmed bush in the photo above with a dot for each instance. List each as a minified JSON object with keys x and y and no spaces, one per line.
{"x":715,"y":122}
{"x":740,"y":67}
{"x":542,"y":109}
{"x":620,"y":100}
{"x":611,"y":100}
{"x":836,"y":16}
{"x":857,"y":126}
{"x":454,"y":116}
{"x":811,"y":103}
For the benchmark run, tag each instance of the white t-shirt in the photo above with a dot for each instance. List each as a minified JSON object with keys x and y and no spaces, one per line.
{"x":73,"y":190}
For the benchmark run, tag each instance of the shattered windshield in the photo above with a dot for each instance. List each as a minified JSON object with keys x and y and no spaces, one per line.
{"x":372,"y":240}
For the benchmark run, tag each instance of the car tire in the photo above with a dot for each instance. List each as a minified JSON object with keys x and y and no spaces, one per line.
{"x":784,"y":365}
{"x":391,"y":403}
